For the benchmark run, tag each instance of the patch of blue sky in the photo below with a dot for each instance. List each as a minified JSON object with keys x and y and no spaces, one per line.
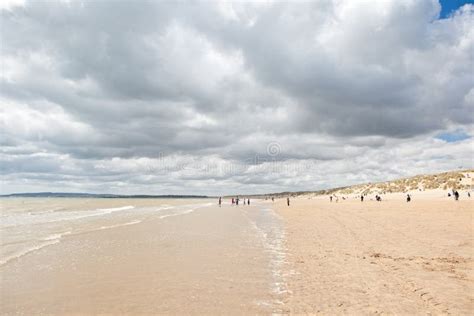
{"x":449,"y":6}
{"x":451,"y":137}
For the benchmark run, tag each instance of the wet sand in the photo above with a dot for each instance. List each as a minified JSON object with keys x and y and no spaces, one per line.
{"x":388,"y":257}
{"x":211,"y":261}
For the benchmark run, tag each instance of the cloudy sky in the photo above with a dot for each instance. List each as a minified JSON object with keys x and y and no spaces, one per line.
{"x":222,"y":97}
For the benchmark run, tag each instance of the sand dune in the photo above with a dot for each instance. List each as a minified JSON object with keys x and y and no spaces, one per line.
{"x":446,"y":181}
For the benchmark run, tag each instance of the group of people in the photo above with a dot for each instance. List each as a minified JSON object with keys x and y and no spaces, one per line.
{"x":456,"y":195}
{"x":378,"y":198}
{"x":235,"y":201}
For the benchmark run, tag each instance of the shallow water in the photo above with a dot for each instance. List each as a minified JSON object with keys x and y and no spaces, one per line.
{"x":29,"y":224}
{"x":140,"y":256}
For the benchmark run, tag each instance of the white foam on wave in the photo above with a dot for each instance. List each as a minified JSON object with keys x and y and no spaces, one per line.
{"x":55,"y":216}
{"x":57,"y":209}
{"x":26,"y":251}
{"x":56,"y":236}
{"x":115,"y":209}
{"x":44,"y":242}
{"x":120,"y":225}
{"x":187,"y":211}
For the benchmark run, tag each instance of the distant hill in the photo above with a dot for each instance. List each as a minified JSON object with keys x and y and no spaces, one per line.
{"x":107,"y":196}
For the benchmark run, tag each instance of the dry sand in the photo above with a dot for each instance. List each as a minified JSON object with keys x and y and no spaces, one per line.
{"x":388,"y":257}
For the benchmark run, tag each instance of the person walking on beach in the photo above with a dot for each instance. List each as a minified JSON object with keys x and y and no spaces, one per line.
{"x":362,"y":198}
{"x":456,"y":195}
{"x":233,"y":201}
{"x":408,"y":198}
{"x":288,"y":201}
{"x":220,"y":201}
{"x":248,"y":201}
{"x":330,"y":198}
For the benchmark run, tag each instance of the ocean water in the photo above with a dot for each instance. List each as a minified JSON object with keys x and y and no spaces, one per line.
{"x":30,"y":224}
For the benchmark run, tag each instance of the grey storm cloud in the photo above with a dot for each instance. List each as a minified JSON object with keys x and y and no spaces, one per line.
{"x":113,"y":84}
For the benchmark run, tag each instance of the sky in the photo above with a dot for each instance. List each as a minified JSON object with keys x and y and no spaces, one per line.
{"x":218,"y":97}
{"x":448,"y":7}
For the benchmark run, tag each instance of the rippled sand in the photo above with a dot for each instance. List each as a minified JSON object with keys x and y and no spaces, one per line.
{"x":195,"y":258}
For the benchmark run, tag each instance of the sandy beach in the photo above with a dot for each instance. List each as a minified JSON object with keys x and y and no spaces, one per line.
{"x":388,"y":257}
{"x":152,"y":256}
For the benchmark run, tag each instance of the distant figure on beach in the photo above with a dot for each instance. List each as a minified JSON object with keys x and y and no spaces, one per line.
{"x":248,"y":201}
{"x":273,"y":199}
{"x":237,"y":201}
{"x":408,"y":198}
{"x":233,"y":201}
{"x":456,"y":195}
{"x":330,"y":198}
{"x":288,"y":201}
{"x":378,"y":198}
{"x":362,"y":198}
{"x":468,"y":194}
{"x":220,"y":201}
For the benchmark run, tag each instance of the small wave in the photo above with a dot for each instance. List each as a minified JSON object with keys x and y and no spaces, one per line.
{"x":184,"y":212}
{"x":57,"y":209}
{"x":44,"y":242}
{"x":120,"y":225}
{"x":27,"y":251}
{"x":57,"y":216}
{"x":164,"y":207}
{"x":115,"y":209}
{"x":56,"y":236}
